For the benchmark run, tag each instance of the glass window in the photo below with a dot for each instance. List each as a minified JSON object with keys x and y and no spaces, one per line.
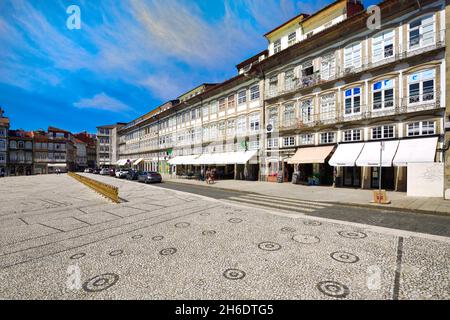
{"x":273,"y":86}
{"x":241,"y":125}
{"x":205,"y":111}
{"x":421,"y":86}
{"x":352,"y":56}
{"x":289,"y":115}
{"x":421,"y":128}
{"x":383,"y":94}
{"x":273,"y":117}
{"x":383,"y":132}
{"x":222,"y":104}
{"x":254,"y":92}
{"x":289,"y":141}
{"x":231,"y":101}
{"x":277,"y":46}
{"x":421,"y":32}
{"x":254,"y":122}
{"x":213,"y":107}
{"x":352,"y":101}
{"x":383,"y":46}
{"x":328,"y":66}
{"x":307,"y":111}
{"x":289,"y":80}
{"x":328,"y":107}
{"x":352,"y":135}
{"x":292,"y":38}
{"x":242,"y":97}
{"x":307,"y":139}
{"x":328,"y":137}
{"x":272,"y":143}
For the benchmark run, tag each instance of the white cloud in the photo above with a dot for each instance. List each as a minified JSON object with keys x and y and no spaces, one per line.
{"x":102,"y":101}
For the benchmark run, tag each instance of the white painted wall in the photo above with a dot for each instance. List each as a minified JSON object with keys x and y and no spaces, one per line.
{"x":425,"y":180}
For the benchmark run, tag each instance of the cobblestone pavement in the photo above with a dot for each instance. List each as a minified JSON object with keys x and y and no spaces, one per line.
{"x":60,"y":240}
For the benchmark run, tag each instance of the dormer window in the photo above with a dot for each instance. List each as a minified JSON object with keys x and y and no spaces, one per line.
{"x":277,"y":46}
{"x":292,"y":38}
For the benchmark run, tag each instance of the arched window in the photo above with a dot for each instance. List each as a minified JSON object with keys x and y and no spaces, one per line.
{"x":383,"y":45}
{"x":421,"y":32}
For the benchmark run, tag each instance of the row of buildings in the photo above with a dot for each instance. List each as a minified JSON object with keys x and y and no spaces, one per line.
{"x":42,"y":152}
{"x":328,"y":97}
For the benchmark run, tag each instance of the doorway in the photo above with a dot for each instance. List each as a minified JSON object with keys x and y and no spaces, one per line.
{"x":352,"y":177}
{"x":387,"y":179}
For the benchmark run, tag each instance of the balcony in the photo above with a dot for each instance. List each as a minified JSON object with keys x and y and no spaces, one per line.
{"x":410,"y":49}
{"x":405,"y":105}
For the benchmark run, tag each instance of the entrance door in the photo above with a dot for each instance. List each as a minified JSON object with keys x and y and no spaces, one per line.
{"x":352,"y":177}
{"x":387,"y":178}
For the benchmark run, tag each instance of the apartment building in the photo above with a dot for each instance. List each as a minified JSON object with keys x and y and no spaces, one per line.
{"x":90,"y":141}
{"x":341,"y":91}
{"x":108,"y":145}
{"x":4,"y":129}
{"x":20,"y":153}
{"x":326,"y":100}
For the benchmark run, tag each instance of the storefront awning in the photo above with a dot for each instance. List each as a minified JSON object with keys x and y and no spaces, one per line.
{"x":239,"y":157}
{"x":57,"y":165}
{"x":138,"y":161}
{"x":180,"y":160}
{"x":370,"y":155}
{"x":346,"y":155}
{"x":416,"y":150}
{"x":311,"y":155}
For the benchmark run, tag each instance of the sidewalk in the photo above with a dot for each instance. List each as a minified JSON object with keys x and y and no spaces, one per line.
{"x":353,"y":197}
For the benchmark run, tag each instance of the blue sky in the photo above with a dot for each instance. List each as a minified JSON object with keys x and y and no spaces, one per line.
{"x":128,"y":57}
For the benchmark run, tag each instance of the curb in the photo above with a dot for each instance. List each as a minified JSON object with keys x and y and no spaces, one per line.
{"x":345,"y":204}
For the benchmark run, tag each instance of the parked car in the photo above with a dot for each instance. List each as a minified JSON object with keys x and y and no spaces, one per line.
{"x":96,"y":171}
{"x":149,"y":177}
{"x":122,"y":174}
{"x":112,"y":172}
{"x":88,"y":170}
{"x":132,"y":175}
{"x":104,"y":172}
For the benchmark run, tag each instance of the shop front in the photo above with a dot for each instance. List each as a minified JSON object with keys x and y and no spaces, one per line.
{"x":311,"y":166}
{"x":344,"y":161}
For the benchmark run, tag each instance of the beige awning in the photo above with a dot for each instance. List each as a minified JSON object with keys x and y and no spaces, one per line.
{"x":138,"y":161}
{"x":311,"y":155}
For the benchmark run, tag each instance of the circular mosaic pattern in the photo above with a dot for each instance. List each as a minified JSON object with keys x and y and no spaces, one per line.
{"x":235,"y":220}
{"x":78,"y":256}
{"x":352,"y":234}
{"x":209,"y":233}
{"x":312,"y":223}
{"x":136,"y":237}
{"x":344,"y":257}
{"x":229,"y":212}
{"x":204,"y":214}
{"x":306,"y":239}
{"x":288,"y":230}
{"x":168,"y":251}
{"x":333,"y":289}
{"x":101,"y":282}
{"x":157,"y":238}
{"x":182,"y":225}
{"x":115,"y":253}
{"x":269,"y":246}
{"x":234,"y":274}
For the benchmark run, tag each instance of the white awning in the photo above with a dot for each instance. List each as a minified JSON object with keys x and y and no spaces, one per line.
{"x":370,"y":155}
{"x":346,"y":155}
{"x":416,"y":150}
{"x":183,"y":160}
{"x":138,"y":161}
{"x":57,"y":165}
{"x":121,"y":162}
{"x":311,"y":155}
{"x":239,"y":157}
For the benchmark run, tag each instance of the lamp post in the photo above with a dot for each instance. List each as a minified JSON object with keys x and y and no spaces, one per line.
{"x":380,"y":171}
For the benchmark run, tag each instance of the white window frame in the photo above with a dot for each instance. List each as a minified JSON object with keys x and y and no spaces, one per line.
{"x":242,"y":97}
{"x":292,"y":38}
{"x":277,"y":46}
{"x":352,"y":135}
{"x":383,"y":40}
{"x":307,"y":111}
{"x":421,"y":77}
{"x":328,"y":66}
{"x":327,"y":137}
{"x":353,"y":55}
{"x":255,"y":122}
{"x":272,"y":143}
{"x":421,"y":128}
{"x":307,"y":139}
{"x":289,"y":109}
{"x":383,"y":90}
{"x":384,"y":130}
{"x":421,"y":43}
{"x":254,"y":92}
{"x":289,"y":141}
{"x":352,"y":97}
{"x":328,"y":106}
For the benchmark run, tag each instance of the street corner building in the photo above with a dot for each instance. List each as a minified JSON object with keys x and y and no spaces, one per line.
{"x":330,"y":102}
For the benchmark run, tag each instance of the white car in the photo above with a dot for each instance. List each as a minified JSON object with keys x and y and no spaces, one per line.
{"x":121,"y":173}
{"x":104,"y":172}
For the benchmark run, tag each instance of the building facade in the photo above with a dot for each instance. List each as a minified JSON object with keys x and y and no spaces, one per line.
{"x":20,"y":153}
{"x":108,"y":145}
{"x":90,"y":141}
{"x":327,"y":99}
{"x":4,"y":129}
